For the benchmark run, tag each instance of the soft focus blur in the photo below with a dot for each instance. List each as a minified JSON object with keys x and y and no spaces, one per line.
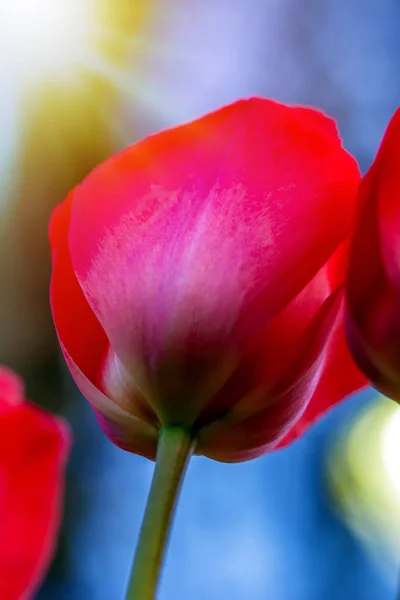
{"x":82,"y":78}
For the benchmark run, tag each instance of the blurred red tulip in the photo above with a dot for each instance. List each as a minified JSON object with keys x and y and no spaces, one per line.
{"x":373,"y":282}
{"x":195,"y":280}
{"x":33,"y":450}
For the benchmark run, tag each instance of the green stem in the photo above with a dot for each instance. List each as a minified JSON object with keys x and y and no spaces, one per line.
{"x":175,"y":447}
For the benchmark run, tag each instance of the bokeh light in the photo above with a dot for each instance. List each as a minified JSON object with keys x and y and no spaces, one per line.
{"x":365,"y":480}
{"x":391,"y":449}
{"x":44,"y":38}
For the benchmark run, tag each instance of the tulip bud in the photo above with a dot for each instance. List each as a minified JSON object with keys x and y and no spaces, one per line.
{"x":195,"y":280}
{"x":373,"y":282}
{"x":33,"y":450}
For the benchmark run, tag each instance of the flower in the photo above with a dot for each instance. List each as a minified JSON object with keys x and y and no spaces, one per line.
{"x":196,"y":280}
{"x":33,"y":450}
{"x":373,"y":281}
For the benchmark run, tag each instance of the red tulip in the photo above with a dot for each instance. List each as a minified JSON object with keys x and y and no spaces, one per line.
{"x":33,"y":450}
{"x":373,"y":282}
{"x":196,"y":280}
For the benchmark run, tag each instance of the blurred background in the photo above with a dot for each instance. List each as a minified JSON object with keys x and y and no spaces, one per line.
{"x":83,"y":78}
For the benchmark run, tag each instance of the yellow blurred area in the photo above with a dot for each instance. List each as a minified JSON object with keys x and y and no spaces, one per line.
{"x":364,"y":476}
{"x":57,"y":60}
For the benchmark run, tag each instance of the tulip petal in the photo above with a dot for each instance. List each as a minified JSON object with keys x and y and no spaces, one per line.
{"x":273,"y":355}
{"x":77,"y":327}
{"x":273,"y":351}
{"x":365,"y":270}
{"x":181,"y":231}
{"x":340,"y":378}
{"x":388,"y":191}
{"x":371,"y":360}
{"x":239,"y":437}
{"x":123,"y":428}
{"x":85,"y":345}
{"x":33,"y":451}
{"x":377,"y":224}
